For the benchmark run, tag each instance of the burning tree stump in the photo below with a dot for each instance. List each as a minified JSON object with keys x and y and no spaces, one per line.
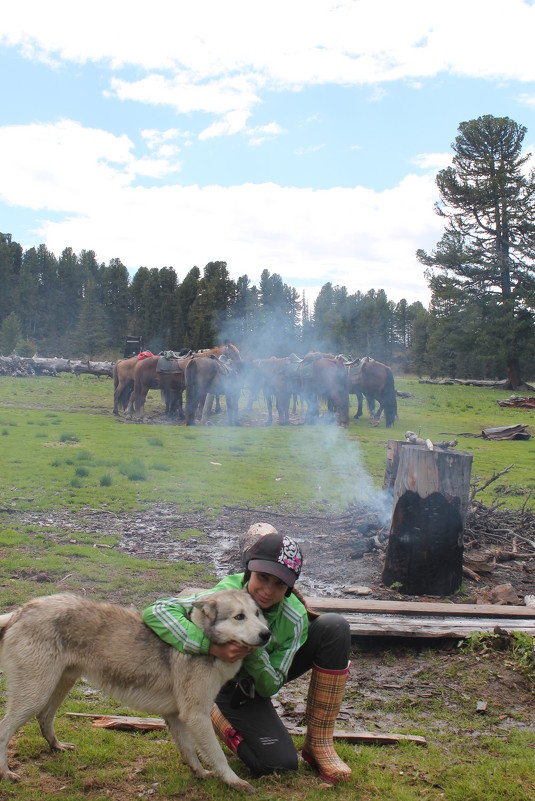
{"x":431,"y":495}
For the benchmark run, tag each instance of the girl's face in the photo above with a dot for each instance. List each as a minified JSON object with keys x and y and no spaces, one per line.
{"x":266,"y":590}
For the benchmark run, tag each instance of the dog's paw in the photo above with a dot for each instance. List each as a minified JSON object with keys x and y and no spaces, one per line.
{"x":201,"y":773}
{"x":58,"y":746}
{"x":9,"y":774}
{"x":244,"y":786}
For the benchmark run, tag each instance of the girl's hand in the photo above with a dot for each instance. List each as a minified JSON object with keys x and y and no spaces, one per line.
{"x":230,"y":651}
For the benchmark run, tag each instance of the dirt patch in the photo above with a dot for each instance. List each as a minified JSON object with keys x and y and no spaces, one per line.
{"x":341,"y":552}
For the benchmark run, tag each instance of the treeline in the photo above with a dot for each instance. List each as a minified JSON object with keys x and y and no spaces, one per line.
{"x":74,"y":306}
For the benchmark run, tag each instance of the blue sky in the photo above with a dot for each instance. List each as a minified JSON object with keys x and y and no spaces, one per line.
{"x":298,"y":137}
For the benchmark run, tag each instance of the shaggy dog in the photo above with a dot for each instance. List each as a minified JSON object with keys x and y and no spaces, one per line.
{"x":47,"y":644}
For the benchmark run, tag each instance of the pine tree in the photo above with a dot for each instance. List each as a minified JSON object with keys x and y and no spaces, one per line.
{"x":486,"y":257}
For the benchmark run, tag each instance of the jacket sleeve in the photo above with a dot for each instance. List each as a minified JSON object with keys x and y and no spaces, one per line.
{"x":269,"y":666}
{"x":169,"y":619}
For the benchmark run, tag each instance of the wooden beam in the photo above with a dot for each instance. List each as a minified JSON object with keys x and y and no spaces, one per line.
{"x":420,"y":607}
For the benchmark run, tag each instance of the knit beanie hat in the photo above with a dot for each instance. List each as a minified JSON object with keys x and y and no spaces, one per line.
{"x":277,"y":555}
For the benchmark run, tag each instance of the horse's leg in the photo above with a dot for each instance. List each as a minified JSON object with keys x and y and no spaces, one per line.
{"x":269,"y":404}
{"x":286,"y":407}
{"x":207,"y":408}
{"x":206,"y":401}
{"x":331,"y":408}
{"x":129,"y":411}
{"x":180,"y":405}
{"x":252,"y":396}
{"x":313,"y":411}
{"x":359,"y":405}
{"x":139,"y":401}
{"x":232,"y":399}
{"x":116,"y":396}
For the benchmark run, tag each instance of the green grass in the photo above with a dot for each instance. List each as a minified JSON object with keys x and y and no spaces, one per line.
{"x":61,"y":447}
{"x":281,"y":466}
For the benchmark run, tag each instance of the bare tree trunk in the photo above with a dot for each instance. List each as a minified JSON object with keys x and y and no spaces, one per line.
{"x":513,"y":374}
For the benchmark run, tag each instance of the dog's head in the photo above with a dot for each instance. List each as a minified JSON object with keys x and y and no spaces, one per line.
{"x":231,"y":616}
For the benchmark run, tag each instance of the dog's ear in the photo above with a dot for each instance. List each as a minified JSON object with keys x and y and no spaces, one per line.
{"x":207,"y":607}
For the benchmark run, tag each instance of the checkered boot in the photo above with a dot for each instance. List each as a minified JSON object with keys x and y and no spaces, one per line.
{"x":224,"y":730}
{"x":325,"y":694}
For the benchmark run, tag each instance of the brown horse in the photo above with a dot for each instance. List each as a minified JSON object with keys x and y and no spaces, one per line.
{"x":324,"y":376}
{"x":146,"y":377}
{"x":123,"y":383}
{"x":206,"y":377}
{"x":271,"y":376}
{"x":375,"y":381}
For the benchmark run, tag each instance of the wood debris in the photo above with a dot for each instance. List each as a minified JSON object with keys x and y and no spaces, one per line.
{"x":414,"y":439}
{"x":518,"y":402}
{"x":128,"y":722}
{"x":518,"y":431}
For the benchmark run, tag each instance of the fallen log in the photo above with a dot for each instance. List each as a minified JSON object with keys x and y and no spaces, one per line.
{"x":37,"y":365}
{"x":518,"y":431}
{"x":518,"y":402}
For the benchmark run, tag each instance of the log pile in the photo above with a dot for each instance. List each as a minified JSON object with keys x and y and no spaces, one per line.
{"x":518,"y":402}
{"x":37,"y":365}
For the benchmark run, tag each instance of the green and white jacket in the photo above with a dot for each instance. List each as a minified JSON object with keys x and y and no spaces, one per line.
{"x":169,"y":618}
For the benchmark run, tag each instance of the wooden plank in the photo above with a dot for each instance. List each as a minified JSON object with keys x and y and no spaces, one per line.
{"x":430,"y":629}
{"x":422,"y":607}
{"x":426,"y":619}
{"x":373,"y":738}
{"x":151,"y":724}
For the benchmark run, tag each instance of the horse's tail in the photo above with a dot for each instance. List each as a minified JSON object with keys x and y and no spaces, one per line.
{"x":124,"y":398}
{"x":390,"y":403}
{"x":192,"y":392}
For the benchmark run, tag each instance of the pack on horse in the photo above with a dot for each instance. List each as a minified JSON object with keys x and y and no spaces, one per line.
{"x":375,"y":381}
{"x":209,"y":376}
{"x":323,"y":375}
{"x":171,"y":373}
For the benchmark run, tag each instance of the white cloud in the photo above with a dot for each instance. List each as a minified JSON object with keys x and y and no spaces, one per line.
{"x":262,"y":133}
{"x":432,"y":161}
{"x":354,"y":237}
{"x":218,"y":56}
{"x":527,"y":99}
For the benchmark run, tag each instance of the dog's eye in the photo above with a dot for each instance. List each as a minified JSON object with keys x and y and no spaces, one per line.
{"x":240,"y":616}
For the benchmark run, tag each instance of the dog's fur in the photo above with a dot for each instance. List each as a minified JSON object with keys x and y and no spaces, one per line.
{"x":46,"y":645}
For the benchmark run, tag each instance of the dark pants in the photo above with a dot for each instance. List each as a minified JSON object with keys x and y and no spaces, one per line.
{"x":267,"y":746}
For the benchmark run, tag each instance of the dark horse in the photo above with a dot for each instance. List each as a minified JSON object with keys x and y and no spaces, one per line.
{"x":209,"y":376}
{"x":375,"y":381}
{"x":324,"y":376}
